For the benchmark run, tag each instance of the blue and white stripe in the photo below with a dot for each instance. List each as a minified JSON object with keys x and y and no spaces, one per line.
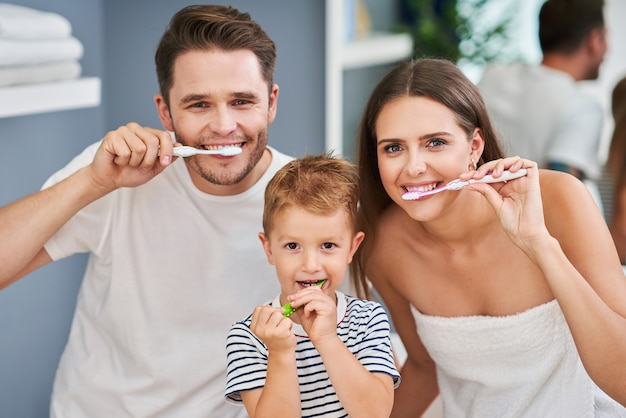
{"x":363,"y":326}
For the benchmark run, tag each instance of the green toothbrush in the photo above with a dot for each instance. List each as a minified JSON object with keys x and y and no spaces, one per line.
{"x":288,"y":310}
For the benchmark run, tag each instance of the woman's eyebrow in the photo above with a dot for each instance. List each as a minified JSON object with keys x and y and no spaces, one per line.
{"x":421,"y":137}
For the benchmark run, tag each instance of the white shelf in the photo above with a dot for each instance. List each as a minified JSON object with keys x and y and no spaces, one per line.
{"x":377,"y":49}
{"x":49,"y":97}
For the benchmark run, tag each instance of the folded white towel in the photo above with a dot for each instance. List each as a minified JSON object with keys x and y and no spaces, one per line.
{"x":20,"y":22}
{"x":39,"y":73}
{"x":24,"y":52}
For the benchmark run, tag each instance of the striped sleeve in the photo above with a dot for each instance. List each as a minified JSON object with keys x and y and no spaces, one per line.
{"x":372,"y":342}
{"x":246,"y":359}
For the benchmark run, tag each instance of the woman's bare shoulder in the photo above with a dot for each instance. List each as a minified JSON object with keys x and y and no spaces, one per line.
{"x":569,"y":208}
{"x":558,"y":181}
{"x":561,"y":191}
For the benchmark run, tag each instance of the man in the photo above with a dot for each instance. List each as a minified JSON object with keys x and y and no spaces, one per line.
{"x":540,"y":111}
{"x":174,"y":257}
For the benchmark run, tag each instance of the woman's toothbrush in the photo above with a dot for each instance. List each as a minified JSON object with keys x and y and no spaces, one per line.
{"x":186,"y":151}
{"x":459,"y":184}
{"x":288,"y":310}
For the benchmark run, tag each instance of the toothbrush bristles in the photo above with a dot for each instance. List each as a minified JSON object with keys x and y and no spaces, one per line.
{"x":230,"y":150}
{"x":411,"y":196}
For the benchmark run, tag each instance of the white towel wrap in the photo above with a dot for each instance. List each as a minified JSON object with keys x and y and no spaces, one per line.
{"x":523,"y":365}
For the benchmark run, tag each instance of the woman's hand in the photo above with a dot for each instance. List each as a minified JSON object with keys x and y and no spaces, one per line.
{"x":517,"y":203}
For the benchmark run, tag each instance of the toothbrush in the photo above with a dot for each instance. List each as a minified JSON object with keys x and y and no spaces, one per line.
{"x":288,"y":310}
{"x":459,"y":184}
{"x":186,"y":151}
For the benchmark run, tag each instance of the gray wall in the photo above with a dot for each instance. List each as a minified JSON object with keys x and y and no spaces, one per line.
{"x":120,"y":37}
{"x":297,"y":28}
{"x":35,"y":313}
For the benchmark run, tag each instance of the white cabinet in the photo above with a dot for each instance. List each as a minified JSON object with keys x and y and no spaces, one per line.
{"x":29,"y":99}
{"x":341,"y":55}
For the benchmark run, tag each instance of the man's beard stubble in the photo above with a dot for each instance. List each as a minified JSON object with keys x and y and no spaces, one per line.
{"x":225,"y":176}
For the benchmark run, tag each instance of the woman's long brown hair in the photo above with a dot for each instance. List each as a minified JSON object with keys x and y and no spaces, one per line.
{"x":436,"y":79}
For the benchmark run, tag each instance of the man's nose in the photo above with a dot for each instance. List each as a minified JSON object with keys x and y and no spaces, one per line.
{"x":222,"y":120}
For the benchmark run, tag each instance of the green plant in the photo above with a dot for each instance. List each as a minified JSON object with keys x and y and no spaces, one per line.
{"x":472,"y":31}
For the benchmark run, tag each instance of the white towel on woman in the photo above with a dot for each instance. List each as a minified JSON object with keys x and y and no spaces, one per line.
{"x":25,"y":52}
{"x":39,"y":73}
{"x":20,"y":22}
{"x":523,"y":365}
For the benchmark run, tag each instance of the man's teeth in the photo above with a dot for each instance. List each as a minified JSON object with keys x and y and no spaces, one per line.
{"x":218,"y":147}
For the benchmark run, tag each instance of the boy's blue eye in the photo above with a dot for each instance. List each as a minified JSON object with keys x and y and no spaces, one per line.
{"x":292,"y":246}
{"x":328,"y":245}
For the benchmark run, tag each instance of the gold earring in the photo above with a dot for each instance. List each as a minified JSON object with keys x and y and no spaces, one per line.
{"x":473,"y":166}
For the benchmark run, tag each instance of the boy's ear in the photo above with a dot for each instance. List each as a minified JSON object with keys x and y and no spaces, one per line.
{"x":266,"y":247}
{"x":356,"y":242}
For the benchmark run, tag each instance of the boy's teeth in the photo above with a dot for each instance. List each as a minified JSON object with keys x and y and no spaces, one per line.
{"x":316,"y":283}
{"x":308,"y":283}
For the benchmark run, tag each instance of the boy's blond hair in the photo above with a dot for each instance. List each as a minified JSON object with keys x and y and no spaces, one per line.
{"x":321,"y":184}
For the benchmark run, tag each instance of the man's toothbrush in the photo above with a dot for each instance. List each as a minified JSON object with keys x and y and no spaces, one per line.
{"x":187,"y":151}
{"x":288,"y":310}
{"x":459,"y":184}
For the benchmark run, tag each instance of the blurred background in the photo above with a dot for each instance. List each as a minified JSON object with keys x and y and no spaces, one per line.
{"x":330,"y":55}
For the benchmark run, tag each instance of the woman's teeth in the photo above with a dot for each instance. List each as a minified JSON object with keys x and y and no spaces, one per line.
{"x":425,"y":188}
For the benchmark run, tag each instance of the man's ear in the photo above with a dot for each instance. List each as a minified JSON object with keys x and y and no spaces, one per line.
{"x":273,"y":104}
{"x":597,"y":42}
{"x":164,"y":112}
{"x":266,"y":247}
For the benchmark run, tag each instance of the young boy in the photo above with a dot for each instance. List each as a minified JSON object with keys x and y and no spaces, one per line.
{"x":332,"y":357}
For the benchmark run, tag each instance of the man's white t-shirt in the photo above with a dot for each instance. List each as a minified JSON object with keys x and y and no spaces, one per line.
{"x":543,"y":115}
{"x":170,"y":269}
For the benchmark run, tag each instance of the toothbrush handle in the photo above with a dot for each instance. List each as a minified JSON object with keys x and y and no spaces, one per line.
{"x":506,"y":175}
{"x":288,"y":309}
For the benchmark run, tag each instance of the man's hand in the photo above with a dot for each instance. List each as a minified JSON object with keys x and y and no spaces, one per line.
{"x":130,"y":156}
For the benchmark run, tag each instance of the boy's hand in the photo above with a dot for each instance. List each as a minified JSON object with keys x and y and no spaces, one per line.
{"x":273,"y":328}
{"x":318,"y":315}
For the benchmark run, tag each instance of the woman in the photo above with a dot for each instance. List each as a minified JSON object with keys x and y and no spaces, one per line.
{"x":498,"y":291}
{"x":614,"y":172}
